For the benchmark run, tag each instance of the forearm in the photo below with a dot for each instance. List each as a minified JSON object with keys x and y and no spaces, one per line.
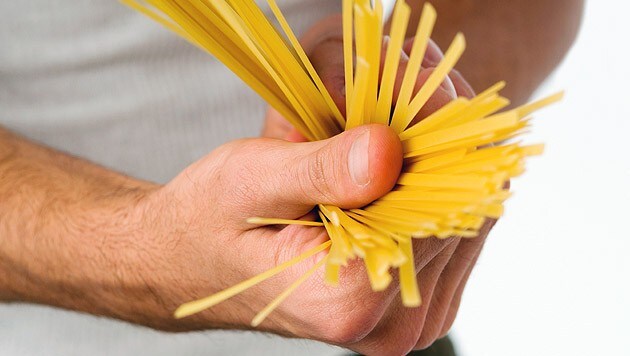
{"x":68,"y":231}
{"x":520,"y":42}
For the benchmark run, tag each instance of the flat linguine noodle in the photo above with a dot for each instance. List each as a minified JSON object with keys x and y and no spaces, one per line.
{"x":456,"y":161}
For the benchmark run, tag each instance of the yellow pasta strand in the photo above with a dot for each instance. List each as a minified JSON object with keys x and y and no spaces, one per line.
{"x":279,"y":299}
{"x":348,"y":53}
{"x":271,"y":221}
{"x":442,"y":181}
{"x":436,"y":78}
{"x":408,"y":280}
{"x":461,"y":132}
{"x":421,"y":41}
{"x":400,"y":20}
{"x":208,"y":302}
{"x":307,"y":63}
{"x":438,"y":118}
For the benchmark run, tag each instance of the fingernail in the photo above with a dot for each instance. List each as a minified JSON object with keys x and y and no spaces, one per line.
{"x":386,"y":40}
{"x":433,"y":55}
{"x":358,"y":159}
{"x":404,"y":57}
{"x":449,"y":87}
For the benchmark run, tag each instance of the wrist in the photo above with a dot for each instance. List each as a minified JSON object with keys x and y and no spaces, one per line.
{"x":180,"y":254}
{"x":106,"y":253}
{"x":138,"y":252}
{"x":194,"y":253}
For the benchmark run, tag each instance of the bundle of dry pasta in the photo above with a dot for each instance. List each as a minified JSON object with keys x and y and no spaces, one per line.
{"x":453,"y":178}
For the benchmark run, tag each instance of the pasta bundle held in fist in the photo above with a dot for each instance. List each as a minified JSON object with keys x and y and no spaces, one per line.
{"x":457,"y":160}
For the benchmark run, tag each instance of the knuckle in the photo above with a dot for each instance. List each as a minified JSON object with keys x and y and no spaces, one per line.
{"x":428,"y":336}
{"x":231,"y":148}
{"x":351,"y":328}
{"x":399,"y":340}
{"x":354,"y":318}
{"x":244,"y":187}
{"x":244,"y":192}
{"x":448,"y":324}
{"x":239,"y":172}
{"x":317,"y":179}
{"x":406,"y":344}
{"x":445,"y":330}
{"x":336,"y":82}
{"x":424,"y":342}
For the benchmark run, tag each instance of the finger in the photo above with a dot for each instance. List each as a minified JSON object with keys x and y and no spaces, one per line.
{"x":357,"y":285}
{"x":272,"y":178}
{"x":328,"y":60}
{"x":455,"y":302}
{"x":276,"y":126}
{"x":462,"y":87}
{"x":446,"y":288}
{"x":432,"y":56}
{"x":442,"y":95}
{"x":295,"y":136}
{"x":426,"y":250}
{"x":473,"y":255}
{"x":428,"y":278}
{"x":400,"y":328}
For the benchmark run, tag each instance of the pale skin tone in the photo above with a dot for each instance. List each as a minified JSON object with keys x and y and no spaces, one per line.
{"x":81,"y":237}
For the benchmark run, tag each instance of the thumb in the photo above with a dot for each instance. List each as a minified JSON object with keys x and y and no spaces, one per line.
{"x":349,"y":170}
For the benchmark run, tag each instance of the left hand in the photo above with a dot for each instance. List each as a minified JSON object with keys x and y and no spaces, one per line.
{"x":442,"y":279}
{"x":324,"y":45}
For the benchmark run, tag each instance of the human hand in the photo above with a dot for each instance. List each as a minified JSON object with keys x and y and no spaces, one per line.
{"x":197,"y":242}
{"x":324,"y":45}
{"x":196,"y":229}
{"x":445,"y":265}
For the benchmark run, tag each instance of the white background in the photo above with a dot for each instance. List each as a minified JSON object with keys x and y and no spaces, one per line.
{"x":554,"y":277}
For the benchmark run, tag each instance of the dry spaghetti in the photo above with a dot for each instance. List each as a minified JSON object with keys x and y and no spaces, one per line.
{"x":452,"y":179}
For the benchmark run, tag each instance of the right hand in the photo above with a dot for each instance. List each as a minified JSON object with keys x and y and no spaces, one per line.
{"x":200,"y":243}
{"x":195,"y":242}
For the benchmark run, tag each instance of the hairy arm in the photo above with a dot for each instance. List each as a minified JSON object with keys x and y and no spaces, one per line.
{"x":519,"y":41}
{"x":67,"y":232}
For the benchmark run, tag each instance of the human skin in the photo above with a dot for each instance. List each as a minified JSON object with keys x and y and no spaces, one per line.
{"x":444,"y":282}
{"x":443,"y":266}
{"x":78,"y":236}
{"x":518,"y":41}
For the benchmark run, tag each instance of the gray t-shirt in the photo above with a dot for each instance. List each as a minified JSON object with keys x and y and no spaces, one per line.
{"x":97,"y":80}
